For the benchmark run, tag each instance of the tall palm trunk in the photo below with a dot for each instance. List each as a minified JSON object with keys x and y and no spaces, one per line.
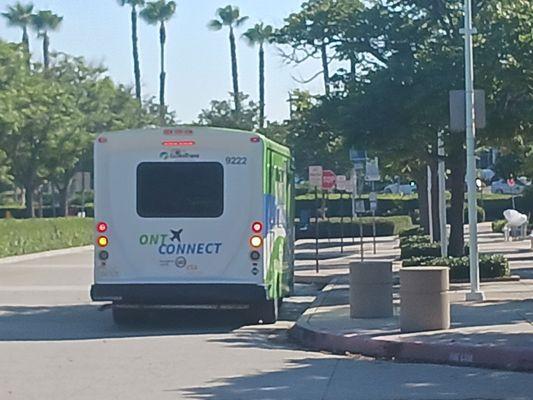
{"x":234,"y":72}
{"x":162,"y":76}
{"x":136,"y":65}
{"x":46,"y":51}
{"x":26,"y":44}
{"x":261,"y":86}
{"x":325,"y":66}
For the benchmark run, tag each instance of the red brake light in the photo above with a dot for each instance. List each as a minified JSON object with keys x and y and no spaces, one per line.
{"x":257,"y":227}
{"x":178,"y":143}
{"x":101,"y":227}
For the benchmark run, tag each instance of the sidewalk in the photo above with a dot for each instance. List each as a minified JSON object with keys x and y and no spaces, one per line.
{"x":497,"y":333}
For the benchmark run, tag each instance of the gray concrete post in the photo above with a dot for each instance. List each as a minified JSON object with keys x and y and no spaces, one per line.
{"x":371,"y":289}
{"x":424,"y":298}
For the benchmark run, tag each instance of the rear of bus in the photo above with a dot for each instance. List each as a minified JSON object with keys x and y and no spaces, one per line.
{"x":179,"y":218}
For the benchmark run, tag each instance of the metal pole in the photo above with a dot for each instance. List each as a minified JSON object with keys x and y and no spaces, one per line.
{"x":342,"y":221}
{"x":430,"y":203}
{"x":374,"y":224}
{"x":442,"y":198}
{"x":475,"y":292}
{"x":317,"y":268}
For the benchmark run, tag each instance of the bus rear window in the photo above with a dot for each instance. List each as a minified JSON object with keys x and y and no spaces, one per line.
{"x":180,"y":189}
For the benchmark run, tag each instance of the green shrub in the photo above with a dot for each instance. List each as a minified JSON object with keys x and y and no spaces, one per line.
{"x":490,"y":265}
{"x":414,"y":231}
{"x":498,"y":225}
{"x":42,"y":234}
{"x":412,"y":240}
{"x":420,"y":250}
{"x":385,"y":226}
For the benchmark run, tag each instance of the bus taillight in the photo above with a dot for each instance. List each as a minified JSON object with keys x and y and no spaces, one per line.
{"x":101,"y":227}
{"x":256,"y":241}
{"x":102,"y":241}
{"x":257,"y":227}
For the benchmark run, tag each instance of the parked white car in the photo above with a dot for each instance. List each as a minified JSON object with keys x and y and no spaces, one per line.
{"x":502,"y":187}
{"x":400,"y":188}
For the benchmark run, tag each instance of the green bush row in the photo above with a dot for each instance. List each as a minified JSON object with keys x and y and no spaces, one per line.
{"x":407,"y":241}
{"x":43,"y":234}
{"x":420,"y":250}
{"x":385,"y":226}
{"x":490,"y":265}
{"x":414,"y":231}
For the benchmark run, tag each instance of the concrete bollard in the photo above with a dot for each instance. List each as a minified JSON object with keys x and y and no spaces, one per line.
{"x":371,"y":289}
{"x":425,"y":299}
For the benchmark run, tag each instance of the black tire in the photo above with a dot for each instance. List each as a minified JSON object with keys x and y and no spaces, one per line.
{"x":266,"y":312}
{"x":124,"y":316}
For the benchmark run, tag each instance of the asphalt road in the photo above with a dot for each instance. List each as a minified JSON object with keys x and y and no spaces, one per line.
{"x":55,"y":345}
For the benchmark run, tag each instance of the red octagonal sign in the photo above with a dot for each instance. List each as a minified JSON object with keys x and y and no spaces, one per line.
{"x":328,"y":179}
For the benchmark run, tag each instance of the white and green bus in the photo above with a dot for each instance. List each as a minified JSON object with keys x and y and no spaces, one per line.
{"x":192,"y":217}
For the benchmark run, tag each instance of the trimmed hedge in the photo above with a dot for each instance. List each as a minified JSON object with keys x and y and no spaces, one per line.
{"x":414,"y":231}
{"x":420,"y":249}
{"x":490,"y":208}
{"x":490,"y":265}
{"x":385,"y":226}
{"x":42,"y":234}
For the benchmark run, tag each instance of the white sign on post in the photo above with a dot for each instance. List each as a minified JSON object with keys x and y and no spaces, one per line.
{"x":341,"y":182}
{"x":360,"y":206}
{"x":348,"y":186}
{"x":315,"y":176}
{"x":372,"y":170}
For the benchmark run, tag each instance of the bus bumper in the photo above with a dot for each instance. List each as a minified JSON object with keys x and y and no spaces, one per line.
{"x":179,"y":294}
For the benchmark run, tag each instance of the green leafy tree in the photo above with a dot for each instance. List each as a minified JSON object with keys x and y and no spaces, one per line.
{"x":45,"y":22}
{"x":221,"y":114}
{"x":20,"y":15}
{"x":160,"y":12}
{"x":134,"y":4}
{"x":260,"y":35}
{"x":313,"y":30}
{"x":230,"y":17}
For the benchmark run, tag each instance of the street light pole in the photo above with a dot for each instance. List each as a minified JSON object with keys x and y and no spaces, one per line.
{"x":475,"y":293}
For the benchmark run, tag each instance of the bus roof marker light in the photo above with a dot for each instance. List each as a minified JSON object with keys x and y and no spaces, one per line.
{"x":256,"y":241}
{"x":178,"y":143}
{"x":102,"y":241}
{"x":255,"y":139}
{"x":101,"y":227}
{"x":257,"y":227}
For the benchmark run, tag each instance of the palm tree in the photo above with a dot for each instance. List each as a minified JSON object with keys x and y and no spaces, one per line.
{"x":260,"y":35}
{"x":20,"y":15}
{"x":159,"y":12}
{"x":136,"y":65}
{"x":230,"y":16}
{"x":44,"y":22}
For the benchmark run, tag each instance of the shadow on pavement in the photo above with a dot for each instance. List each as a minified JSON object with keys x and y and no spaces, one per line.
{"x":335,"y":378}
{"x":85,"y":321}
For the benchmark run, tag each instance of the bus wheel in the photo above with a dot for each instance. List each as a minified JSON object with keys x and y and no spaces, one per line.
{"x":265,"y":312}
{"x":124,"y":316}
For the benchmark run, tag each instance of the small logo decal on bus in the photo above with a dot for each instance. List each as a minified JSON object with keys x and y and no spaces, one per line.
{"x":176,"y":235}
{"x":171,"y":155}
{"x":181,"y":262}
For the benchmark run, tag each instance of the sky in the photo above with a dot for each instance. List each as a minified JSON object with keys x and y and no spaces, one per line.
{"x":198,"y":60}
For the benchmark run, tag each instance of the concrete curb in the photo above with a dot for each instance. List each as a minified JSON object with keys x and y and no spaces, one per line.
{"x":497,"y":357}
{"x":34,"y":256}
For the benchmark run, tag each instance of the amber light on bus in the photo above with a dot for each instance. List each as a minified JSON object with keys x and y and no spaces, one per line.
{"x":256,"y":241}
{"x":102,"y":241}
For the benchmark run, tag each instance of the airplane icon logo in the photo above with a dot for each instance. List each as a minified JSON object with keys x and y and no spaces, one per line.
{"x":176,"y":235}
